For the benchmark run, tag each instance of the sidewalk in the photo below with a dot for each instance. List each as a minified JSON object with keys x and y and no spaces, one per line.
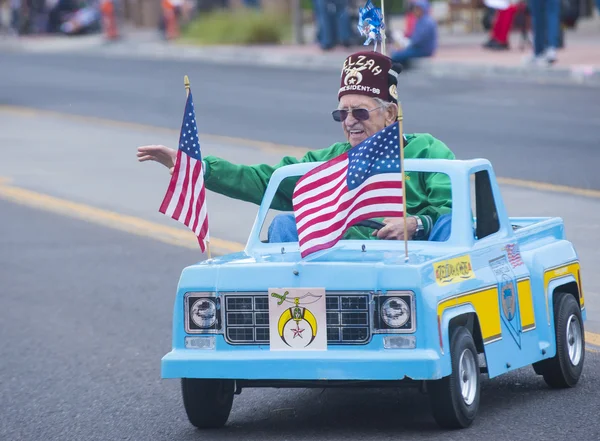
{"x":578,"y":61}
{"x":460,"y":54}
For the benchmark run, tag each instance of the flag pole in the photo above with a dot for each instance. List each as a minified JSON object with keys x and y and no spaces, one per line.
{"x":186,"y":83}
{"x":401,"y":137}
{"x":383,"y":21}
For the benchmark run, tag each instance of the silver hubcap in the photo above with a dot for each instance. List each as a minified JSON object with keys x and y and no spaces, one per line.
{"x":574,"y":341}
{"x":467,"y":371}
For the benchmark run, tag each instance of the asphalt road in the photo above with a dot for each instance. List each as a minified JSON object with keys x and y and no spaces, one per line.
{"x":85,"y":311}
{"x":85,"y":317}
{"x":545,"y":133}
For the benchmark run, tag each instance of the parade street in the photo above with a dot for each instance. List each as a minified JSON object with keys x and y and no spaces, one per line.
{"x":89,"y":267}
{"x":545,"y":133}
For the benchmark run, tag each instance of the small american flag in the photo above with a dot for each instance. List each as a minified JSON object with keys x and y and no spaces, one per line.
{"x":513,"y":254}
{"x":363,"y":183}
{"x":185,"y":200}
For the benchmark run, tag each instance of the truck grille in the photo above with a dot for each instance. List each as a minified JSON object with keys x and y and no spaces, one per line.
{"x":247,"y":318}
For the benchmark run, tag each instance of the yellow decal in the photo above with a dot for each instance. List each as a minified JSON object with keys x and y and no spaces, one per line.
{"x":485,"y":303}
{"x":454,"y":270}
{"x":560,"y":271}
{"x":526,"y":305}
{"x":554,"y":273}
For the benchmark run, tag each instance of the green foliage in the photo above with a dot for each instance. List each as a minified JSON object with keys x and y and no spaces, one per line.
{"x":243,"y":26}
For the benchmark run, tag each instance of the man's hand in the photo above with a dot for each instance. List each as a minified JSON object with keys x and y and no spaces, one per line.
{"x":158,"y":153}
{"x":394,"y":228}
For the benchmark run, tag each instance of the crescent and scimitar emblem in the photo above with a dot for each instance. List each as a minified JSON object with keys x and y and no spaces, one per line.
{"x":298,"y":314}
{"x":288,"y":316}
{"x":354,"y":73}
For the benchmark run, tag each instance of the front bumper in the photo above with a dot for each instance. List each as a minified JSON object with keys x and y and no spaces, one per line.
{"x":393,"y":364}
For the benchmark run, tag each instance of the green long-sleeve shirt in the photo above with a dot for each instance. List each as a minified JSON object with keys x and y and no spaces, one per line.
{"x":428,"y":195}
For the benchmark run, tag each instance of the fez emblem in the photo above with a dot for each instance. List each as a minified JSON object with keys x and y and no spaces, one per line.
{"x":353,"y":77}
{"x":394,"y":92}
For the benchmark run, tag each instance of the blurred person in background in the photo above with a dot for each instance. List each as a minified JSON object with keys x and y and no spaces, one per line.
{"x":423,"y":39}
{"x":333,"y":23}
{"x":31,"y":16}
{"x":503,"y":22}
{"x":184,"y":11}
{"x":410,"y":20}
{"x":85,"y":18}
{"x":9,"y":16}
{"x":546,"y":22}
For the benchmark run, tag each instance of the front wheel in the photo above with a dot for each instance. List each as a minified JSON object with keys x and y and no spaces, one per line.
{"x":455,"y":399}
{"x":207,"y":402}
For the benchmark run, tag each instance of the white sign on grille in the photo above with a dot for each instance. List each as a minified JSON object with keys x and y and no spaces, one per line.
{"x":297,"y":319}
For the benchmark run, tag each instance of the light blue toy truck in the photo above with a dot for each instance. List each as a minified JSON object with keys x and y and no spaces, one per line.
{"x":500,"y":294}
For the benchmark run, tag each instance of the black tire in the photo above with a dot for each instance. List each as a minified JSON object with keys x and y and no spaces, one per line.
{"x":207,"y":402}
{"x":450,"y":409}
{"x":564,"y":370}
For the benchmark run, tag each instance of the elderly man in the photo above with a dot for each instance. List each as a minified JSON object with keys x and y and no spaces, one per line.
{"x":367,"y":103}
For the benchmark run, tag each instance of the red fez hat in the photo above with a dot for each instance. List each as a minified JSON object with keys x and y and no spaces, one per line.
{"x":372,"y":74}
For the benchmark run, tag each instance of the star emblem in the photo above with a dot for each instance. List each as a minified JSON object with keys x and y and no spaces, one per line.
{"x":297,"y":332}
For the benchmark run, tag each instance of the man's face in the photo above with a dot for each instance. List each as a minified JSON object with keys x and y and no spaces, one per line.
{"x":357,"y":131}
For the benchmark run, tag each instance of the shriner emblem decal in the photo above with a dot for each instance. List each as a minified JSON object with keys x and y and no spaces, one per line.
{"x":297,"y":319}
{"x":353,"y":77}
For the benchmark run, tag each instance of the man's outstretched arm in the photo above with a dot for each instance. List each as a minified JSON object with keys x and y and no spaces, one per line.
{"x":244,"y":182}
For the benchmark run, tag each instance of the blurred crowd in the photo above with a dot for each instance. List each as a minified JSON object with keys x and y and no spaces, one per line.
{"x":74,"y":17}
{"x":541,"y":24}
{"x":337,"y":24}
{"x":51,"y":16}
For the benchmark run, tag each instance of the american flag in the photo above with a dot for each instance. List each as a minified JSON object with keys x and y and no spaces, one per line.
{"x":514,"y":255}
{"x":363,"y":183}
{"x":185,"y":200}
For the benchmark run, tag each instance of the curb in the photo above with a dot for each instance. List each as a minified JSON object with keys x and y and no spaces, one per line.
{"x":578,"y":75}
{"x":250,"y":56}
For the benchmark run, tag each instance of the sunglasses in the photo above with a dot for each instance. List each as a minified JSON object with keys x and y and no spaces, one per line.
{"x":358,"y":114}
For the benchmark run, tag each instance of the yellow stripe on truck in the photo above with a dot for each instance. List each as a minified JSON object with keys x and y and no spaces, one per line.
{"x":486,"y":305}
{"x":558,"y":272}
{"x":526,"y":304}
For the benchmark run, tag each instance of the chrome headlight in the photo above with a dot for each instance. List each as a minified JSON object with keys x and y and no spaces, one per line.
{"x":202,"y":313}
{"x":395,"y":312}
